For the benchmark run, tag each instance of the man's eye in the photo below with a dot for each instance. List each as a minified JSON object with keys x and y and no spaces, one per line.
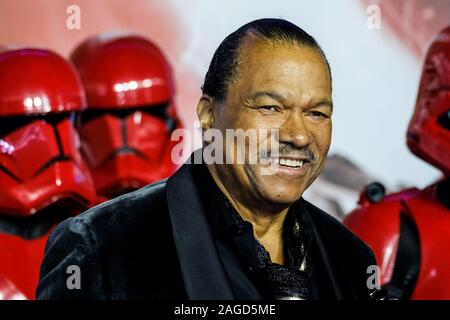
{"x":269,"y":108}
{"x":318,"y":114}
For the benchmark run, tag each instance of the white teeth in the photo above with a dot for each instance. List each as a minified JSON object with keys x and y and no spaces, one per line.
{"x":284,"y":162}
{"x":290,"y":163}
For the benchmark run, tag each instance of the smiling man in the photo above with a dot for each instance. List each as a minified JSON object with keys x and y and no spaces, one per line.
{"x":228,"y":229}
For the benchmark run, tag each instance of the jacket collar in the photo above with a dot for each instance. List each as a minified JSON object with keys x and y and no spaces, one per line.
{"x":318,"y":230}
{"x":203,"y":273}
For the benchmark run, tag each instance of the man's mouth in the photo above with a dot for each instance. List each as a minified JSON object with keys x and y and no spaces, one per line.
{"x":285,"y":162}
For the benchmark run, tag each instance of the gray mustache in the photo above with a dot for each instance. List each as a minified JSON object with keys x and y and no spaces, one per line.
{"x":289,"y":150}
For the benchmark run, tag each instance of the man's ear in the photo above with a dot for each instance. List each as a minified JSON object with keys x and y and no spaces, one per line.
{"x":205,"y":111}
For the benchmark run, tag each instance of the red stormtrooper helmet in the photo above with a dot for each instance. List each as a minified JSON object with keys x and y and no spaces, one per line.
{"x":428,"y":134}
{"x":409,"y":231}
{"x":125,"y":133}
{"x":39,"y":159}
{"x":43,"y":178}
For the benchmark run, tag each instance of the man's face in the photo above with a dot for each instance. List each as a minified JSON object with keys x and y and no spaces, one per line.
{"x":284,"y":87}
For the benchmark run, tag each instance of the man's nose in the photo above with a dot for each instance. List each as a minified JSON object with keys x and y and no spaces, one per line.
{"x":295,"y":131}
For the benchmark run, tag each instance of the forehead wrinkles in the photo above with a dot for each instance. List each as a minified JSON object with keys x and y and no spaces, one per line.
{"x":258,"y":57}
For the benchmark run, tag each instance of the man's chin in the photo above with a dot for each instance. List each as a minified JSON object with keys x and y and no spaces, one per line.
{"x":280,"y":194}
{"x":278,"y":189}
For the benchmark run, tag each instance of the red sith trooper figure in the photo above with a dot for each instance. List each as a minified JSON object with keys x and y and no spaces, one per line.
{"x":43,"y":179}
{"x":126,"y":131}
{"x":409,"y":231}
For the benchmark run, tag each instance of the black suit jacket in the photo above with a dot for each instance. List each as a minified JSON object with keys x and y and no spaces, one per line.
{"x":155,"y":243}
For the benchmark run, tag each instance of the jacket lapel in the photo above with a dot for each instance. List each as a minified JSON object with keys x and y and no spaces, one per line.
{"x":322,"y":246}
{"x":203,"y":273}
